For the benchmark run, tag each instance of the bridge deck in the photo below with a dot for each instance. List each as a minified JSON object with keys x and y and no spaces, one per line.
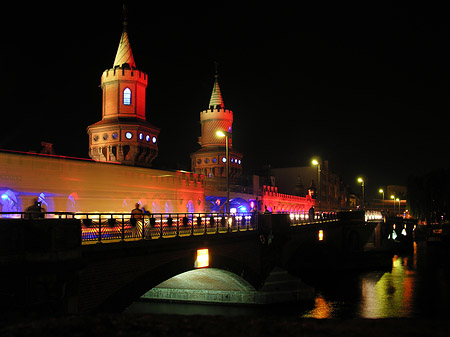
{"x":115,"y":227}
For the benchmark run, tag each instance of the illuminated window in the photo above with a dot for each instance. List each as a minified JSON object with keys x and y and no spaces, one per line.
{"x":141,"y":136}
{"x":127,"y":96}
{"x":128,"y":135}
{"x":147,"y":138}
{"x":224,"y":160}
{"x":153,"y":139}
{"x":115,"y":135}
{"x":214,"y":160}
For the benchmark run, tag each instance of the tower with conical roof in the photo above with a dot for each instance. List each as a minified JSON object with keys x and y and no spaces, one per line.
{"x":211,"y":159}
{"x":123,"y":135}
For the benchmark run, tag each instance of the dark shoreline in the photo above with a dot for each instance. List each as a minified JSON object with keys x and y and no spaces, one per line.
{"x":176,"y":325}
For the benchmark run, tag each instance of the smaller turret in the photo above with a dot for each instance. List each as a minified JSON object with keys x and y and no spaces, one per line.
{"x":211,"y":159}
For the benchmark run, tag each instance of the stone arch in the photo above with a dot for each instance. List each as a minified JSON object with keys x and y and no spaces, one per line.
{"x":47,"y":201}
{"x":168,"y":206}
{"x":131,"y":291}
{"x":9,"y":201}
{"x":156,"y":204}
{"x":204,"y":285}
{"x":190,"y":206}
{"x":72,"y":202}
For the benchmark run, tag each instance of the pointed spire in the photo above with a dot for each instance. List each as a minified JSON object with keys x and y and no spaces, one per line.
{"x":124,"y":53}
{"x":216,"y":100}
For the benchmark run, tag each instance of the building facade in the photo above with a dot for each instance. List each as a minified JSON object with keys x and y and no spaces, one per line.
{"x":327,"y":187}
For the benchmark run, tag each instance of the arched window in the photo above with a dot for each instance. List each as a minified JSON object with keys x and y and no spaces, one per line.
{"x":127,"y":96}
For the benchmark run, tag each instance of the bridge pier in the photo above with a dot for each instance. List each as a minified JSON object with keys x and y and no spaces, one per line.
{"x":40,"y":262}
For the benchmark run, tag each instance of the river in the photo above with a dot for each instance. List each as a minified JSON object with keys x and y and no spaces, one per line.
{"x":417,"y":285}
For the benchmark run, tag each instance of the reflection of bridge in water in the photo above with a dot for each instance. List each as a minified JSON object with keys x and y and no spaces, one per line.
{"x":57,"y":260}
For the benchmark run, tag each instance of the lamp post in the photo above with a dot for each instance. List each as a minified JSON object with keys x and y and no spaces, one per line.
{"x":382,"y":201}
{"x":393,"y":200}
{"x":361,"y":181}
{"x":227,"y":135}
{"x":315,"y":162}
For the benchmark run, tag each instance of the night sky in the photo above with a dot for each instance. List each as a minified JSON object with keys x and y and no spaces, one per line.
{"x":365,"y":87}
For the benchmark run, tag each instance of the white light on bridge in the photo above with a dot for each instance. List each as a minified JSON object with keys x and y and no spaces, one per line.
{"x":320,"y":235}
{"x":202,"y":260}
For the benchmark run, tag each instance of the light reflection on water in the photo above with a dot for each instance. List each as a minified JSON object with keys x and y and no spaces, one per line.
{"x":417,"y":285}
{"x":391,"y":295}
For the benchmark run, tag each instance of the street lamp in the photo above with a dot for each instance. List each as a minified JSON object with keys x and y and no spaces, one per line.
{"x":227,"y":135}
{"x":315,"y":162}
{"x":382,"y":192}
{"x":361,"y":181}
{"x":393,"y":200}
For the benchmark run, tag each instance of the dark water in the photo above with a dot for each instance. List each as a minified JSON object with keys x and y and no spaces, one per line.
{"x":418,"y":285}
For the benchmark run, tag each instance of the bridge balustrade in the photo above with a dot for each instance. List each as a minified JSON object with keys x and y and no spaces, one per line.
{"x":110,"y":227}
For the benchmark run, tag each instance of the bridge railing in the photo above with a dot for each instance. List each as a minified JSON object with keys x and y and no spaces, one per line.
{"x":106,"y":227}
{"x":109,"y":227}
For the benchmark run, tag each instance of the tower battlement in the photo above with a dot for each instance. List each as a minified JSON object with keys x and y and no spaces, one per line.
{"x":220,"y":113}
{"x":123,"y":73}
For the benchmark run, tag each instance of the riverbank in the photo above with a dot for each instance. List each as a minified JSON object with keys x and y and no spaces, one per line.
{"x":175,"y":325}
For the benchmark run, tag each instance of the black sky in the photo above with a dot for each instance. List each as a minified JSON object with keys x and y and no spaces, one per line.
{"x":365,"y":87}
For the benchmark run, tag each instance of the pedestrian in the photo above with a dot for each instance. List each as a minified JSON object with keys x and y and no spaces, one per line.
{"x":137,"y":216}
{"x":311,"y":214}
{"x":35,"y":211}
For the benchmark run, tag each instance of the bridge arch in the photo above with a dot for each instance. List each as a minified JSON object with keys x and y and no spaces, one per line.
{"x":205,"y":285}
{"x":135,"y":287}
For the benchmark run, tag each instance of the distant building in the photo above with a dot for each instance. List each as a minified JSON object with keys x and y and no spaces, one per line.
{"x":328,"y":188}
{"x":397,"y":191}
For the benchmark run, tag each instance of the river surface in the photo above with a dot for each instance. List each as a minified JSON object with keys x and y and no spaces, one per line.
{"x":418,"y":285}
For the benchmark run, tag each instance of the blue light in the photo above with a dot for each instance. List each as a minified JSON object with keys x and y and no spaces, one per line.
{"x":4,"y":196}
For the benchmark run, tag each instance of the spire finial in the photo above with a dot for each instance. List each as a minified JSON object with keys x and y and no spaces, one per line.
{"x":216,"y":101}
{"x":216,"y":66}
{"x":124,"y":54}
{"x":124,"y":14}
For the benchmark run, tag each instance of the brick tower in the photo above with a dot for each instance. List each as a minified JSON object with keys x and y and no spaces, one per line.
{"x":210,"y":160}
{"x":123,"y":135}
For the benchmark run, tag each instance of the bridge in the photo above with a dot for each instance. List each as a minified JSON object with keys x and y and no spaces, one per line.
{"x":84,"y":262}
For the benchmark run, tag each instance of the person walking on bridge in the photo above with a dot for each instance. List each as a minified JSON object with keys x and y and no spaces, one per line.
{"x":137,"y":218}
